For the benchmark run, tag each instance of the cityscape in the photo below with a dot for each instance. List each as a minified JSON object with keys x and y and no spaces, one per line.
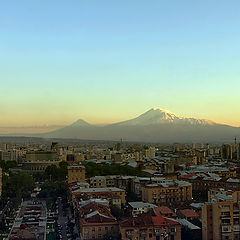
{"x":118,"y":190}
{"x":119,"y":120}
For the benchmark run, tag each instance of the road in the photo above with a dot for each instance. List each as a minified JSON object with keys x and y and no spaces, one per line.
{"x":62,"y":220}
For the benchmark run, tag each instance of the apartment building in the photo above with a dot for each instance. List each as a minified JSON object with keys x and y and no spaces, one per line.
{"x":220,"y":221}
{"x":76,"y":173}
{"x":95,"y":221}
{"x":169,"y":192}
{"x":98,"y":182}
{"x":96,"y":192}
{"x":150,"y":227}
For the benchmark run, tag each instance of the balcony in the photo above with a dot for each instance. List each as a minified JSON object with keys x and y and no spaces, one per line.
{"x":236,"y":228}
{"x":236,"y":213}
{"x":225,"y":215}
{"x":143,"y":234}
{"x":226,"y":229}
{"x":226,"y":224}
{"x":129,"y":234}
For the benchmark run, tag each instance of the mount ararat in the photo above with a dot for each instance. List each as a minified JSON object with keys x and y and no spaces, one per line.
{"x":155,"y":125}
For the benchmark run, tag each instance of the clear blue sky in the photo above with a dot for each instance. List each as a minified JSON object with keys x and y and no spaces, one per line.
{"x":105,"y":61}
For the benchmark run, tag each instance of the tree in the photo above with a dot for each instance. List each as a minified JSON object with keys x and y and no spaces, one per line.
{"x":50,"y":191}
{"x":55,"y":173}
{"x":17,"y":186}
{"x":117,"y":212}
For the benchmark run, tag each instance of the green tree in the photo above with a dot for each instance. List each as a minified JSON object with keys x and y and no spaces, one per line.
{"x":17,"y":186}
{"x":117,"y":212}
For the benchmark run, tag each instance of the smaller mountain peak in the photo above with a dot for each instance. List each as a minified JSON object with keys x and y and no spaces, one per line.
{"x":80,"y":122}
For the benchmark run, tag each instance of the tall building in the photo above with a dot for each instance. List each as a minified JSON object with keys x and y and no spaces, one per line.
{"x":150,"y":152}
{"x":226,"y":152}
{"x":221,"y":220}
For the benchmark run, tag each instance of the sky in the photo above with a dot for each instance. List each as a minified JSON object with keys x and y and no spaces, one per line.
{"x":107,"y":61}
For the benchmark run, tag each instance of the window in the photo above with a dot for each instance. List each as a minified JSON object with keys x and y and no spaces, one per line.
{"x":99,"y":229}
{"x":150,"y":235}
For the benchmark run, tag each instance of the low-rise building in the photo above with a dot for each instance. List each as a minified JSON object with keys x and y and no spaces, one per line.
{"x":95,"y":192}
{"x":137,"y":208}
{"x":98,"y":182}
{"x":149,"y":227}
{"x":95,"y":221}
{"x":164,"y":211}
{"x":76,"y":173}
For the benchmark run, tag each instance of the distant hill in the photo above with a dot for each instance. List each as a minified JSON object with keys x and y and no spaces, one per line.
{"x":155,"y":125}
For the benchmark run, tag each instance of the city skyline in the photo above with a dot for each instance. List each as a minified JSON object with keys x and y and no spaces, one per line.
{"x":106,"y":62}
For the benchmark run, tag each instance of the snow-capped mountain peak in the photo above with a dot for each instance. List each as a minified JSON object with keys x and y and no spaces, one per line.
{"x":160,"y":116}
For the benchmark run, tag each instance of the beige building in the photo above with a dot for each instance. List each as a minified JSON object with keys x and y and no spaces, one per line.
{"x":150,"y":152}
{"x":95,"y":192}
{"x":128,"y":157}
{"x":221,"y":221}
{"x":173,"y":191}
{"x":76,"y":173}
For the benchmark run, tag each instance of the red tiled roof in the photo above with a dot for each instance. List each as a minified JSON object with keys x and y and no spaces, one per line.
{"x":163,"y":210}
{"x":143,"y":220}
{"x":189,"y":213}
{"x":161,"y":221}
{"x":187,"y":176}
{"x":146,"y":220}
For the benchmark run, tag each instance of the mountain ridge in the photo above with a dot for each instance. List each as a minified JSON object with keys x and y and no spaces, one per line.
{"x":155,"y":125}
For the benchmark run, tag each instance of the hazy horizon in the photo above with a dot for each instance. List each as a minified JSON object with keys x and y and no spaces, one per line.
{"x":48,"y":128}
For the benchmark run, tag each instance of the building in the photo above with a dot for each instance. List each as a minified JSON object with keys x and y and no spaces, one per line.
{"x":76,"y":173}
{"x":149,"y":227}
{"x":226,"y":152}
{"x":72,"y":158}
{"x":38,"y":161}
{"x":221,"y":195}
{"x":221,"y":220}
{"x":98,"y":182}
{"x":137,"y":208}
{"x":95,"y":221}
{"x":150,"y":152}
{"x":127,"y":157}
{"x":188,"y":214}
{"x":170,"y":192}
{"x":164,"y":211}
{"x":1,"y":182}
{"x":100,"y":191}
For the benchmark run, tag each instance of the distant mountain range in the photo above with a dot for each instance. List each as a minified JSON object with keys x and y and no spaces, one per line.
{"x":155,"y":125}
